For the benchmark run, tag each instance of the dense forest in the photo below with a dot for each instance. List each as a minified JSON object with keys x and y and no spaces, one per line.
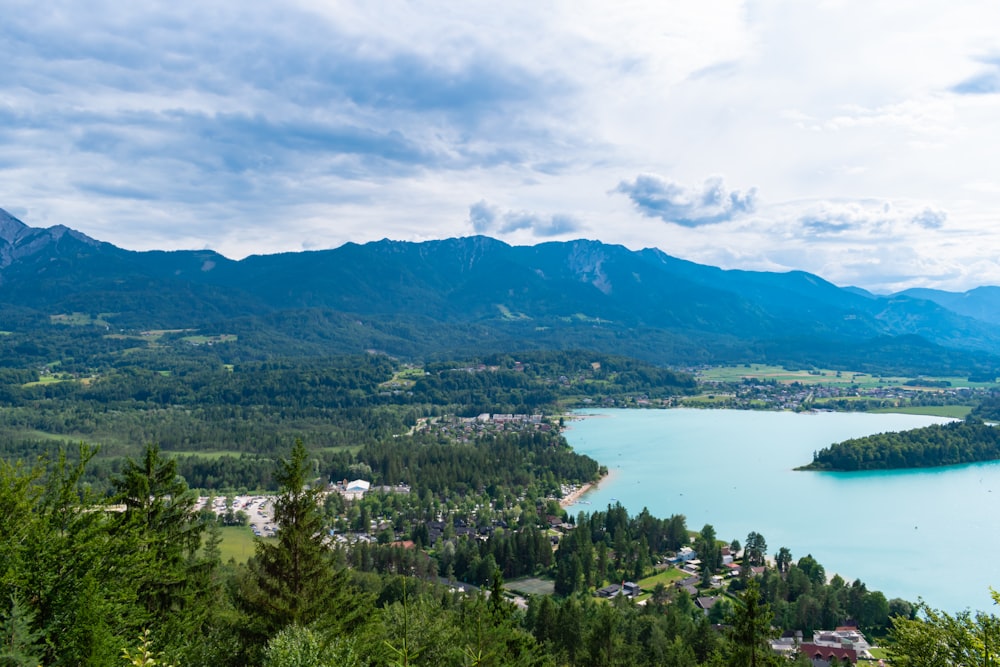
{"x":967,"y":441}
{"x":105,"y":559}
{"x":228,"y":421}
{"x":142,"y":582}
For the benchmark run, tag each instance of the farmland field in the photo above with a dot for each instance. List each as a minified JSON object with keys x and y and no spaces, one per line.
{"x":825,"y":377}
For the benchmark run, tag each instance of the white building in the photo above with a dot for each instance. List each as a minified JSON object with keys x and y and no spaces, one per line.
{"x":358,"y":486}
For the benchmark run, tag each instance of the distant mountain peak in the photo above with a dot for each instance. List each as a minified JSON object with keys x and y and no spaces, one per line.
{"x":19,"y":241}
{"x":11,"y":228}
{"x":59,"y":231}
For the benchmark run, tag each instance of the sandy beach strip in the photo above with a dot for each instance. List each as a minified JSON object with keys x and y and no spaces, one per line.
{"x":574,"y":495}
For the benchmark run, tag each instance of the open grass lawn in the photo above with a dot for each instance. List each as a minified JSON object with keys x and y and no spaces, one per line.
{"x":532,"y":586}
{"x":779,"y":374}
{"x":404,"y":379}
{"x":78,"y":319}
{"x":820,"y":377}
{"x":953,"y":411}
{"x":206,"y":340}
{"x":878,"y":654}
{"x":666,"y":577}
{"x":237,"y":543}
{"x":50,"y":379}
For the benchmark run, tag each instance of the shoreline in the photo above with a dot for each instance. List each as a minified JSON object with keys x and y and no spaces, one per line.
{"x":574,"y":496}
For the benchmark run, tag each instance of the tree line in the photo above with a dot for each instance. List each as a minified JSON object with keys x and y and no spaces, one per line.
{"x":253,"y":408}
{"x":89,"y":581}
{"x":966,"y":441}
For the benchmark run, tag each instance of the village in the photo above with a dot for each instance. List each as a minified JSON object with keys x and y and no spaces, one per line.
{"x":842,"y":645}
{"x":679,"y":573}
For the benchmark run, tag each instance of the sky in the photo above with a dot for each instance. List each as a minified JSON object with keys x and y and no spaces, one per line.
{"x":855,"y":139}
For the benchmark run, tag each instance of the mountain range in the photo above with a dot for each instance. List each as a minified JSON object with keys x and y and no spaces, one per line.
{"x":478,"y":294}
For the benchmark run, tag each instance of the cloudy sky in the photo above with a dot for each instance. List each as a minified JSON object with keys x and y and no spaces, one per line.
{"x":857,"y":139}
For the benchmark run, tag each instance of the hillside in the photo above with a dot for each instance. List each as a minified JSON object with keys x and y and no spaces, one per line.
{"x":467,"y":294}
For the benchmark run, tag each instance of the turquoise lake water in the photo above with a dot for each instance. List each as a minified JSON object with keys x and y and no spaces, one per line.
{"x":933,"y":534}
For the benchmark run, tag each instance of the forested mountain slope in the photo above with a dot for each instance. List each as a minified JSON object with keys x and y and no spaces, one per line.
{"x":422,"y":299}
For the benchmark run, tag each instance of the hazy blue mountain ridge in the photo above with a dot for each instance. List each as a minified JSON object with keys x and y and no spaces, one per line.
{"x":419,"y":298}
{"x":981,"y":303}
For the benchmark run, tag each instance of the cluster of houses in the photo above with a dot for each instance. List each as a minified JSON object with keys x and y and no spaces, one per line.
{"x":794,"y":395}
{"x":466,"y":428}
{"x":840,"y":646}
{"x":357,"y":488}
{"x":628,"y":589}
{"x":487,"y":418}
{"x":844,"y":644}
{"x":460,"y":527}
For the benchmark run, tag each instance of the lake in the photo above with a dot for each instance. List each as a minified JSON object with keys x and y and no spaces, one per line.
{"x":908,"y":533}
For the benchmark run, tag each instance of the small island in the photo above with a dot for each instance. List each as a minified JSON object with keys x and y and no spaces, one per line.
{"x":968,"y":441}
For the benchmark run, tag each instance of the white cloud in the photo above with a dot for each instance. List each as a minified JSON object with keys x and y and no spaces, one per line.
{"x":708,"y":204}
{"x":489,"y":219}
{"x":260,"y":127}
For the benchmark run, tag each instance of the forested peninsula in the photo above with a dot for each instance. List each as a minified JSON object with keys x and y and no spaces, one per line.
{"x":969,"y":441}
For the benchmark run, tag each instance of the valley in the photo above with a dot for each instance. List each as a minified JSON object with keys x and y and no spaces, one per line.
{"x":439,"y":379}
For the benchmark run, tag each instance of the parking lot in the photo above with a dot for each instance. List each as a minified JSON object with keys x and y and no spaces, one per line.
{"x":259,"y":510}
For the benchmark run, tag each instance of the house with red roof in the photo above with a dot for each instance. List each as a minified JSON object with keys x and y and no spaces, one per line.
{"x":821,"y":655}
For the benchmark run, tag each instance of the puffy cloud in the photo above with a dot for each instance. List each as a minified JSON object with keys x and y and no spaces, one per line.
{"x":218,"y":118}
{"x":489,"y":219}
{"x":712,"y":203}
{"x":828,"y":219}
{"x":930,"y":219}
{"x":844,"y":221}
{"x":266,"y":126}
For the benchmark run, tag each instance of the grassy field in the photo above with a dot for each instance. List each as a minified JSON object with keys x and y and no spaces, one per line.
{"x":205,"y":340}
{"x":953,"y":411}
{"x":404,"y":378}
{"x":783,"y":375}
{"x":878,"y":654}
{"x":155,"y":335}
{"x":506,"y":314}
{"x":666,"y":577}
{"x":49,"y":379}
{"x":531,"y":586}
{"x":237,"y":543}
{"x":821,"y":377}
{"x":55,"y":378}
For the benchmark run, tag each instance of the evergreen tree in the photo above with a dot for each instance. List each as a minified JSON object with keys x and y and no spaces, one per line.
{"x":175,"y":584}
{"x":783,"y":559}
{"x":68,"y":585}
{"x":751,"y":629}
{"x":295,"y":579}
{"x":755,"y":549}
{"x":19,"y":643}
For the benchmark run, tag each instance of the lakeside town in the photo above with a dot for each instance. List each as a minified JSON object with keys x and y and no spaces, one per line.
{"x":712,"y":589}
{"x":455,"y":540}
